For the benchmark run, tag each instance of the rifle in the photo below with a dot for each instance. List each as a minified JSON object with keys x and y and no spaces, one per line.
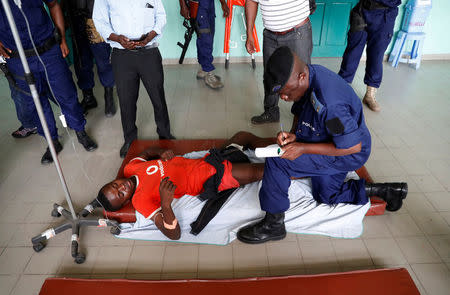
{"x":191,"y":27}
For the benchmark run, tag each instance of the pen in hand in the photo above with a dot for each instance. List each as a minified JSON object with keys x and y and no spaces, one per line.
{"x":282,"y":133}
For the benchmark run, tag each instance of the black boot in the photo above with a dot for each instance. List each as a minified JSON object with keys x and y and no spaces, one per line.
{"x":110,"y":108}
{"x":271,"y":228}
{"x":267,"y":117}
{"x":393,"y":193}
{"x":170,"y":136}
{"x":124,"y":149}
{"x":89,"y":101}
{"x":47,"y":157}
{"x":86,"y":141}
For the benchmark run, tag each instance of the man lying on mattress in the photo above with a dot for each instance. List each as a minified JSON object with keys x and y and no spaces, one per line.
{"x":151,"y":184}
{"x":156,"y":176}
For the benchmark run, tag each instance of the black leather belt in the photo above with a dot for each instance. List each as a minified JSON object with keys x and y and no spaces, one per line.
{"x":48,"y":44}
{"x":136,"y":49}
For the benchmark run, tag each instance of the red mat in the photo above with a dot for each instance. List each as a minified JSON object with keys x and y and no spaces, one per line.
{"x":127,"y":213}
{"x":367,"y":282}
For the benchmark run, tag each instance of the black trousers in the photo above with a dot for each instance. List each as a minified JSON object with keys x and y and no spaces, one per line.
{"x":129,"y":67}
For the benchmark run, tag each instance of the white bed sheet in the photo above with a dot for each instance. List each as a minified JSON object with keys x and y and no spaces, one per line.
{"x":305,"y":215}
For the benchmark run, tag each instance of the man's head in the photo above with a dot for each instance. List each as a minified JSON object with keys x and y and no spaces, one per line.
{"x":112,"y":196}
{"x":286,"y":75}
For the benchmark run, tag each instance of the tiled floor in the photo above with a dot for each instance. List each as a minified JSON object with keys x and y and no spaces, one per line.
{"x":411,"y":142}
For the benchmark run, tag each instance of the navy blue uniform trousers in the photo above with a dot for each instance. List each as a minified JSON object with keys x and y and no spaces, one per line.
{"x":377,"y":35}
{"x":84,"y":59}
{"x":24,"y":117}
{"x":327,"y":179}
{"x":61,"y":81}
{"x":206,"y":23}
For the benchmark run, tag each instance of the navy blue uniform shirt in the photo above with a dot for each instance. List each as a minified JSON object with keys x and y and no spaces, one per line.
{"x":333,"y":114}
{"x":41,"y":25}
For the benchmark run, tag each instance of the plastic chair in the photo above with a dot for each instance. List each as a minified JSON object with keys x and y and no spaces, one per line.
{"x":413,"y":56}
{"x":416,"y":14}
{"x":226,"y":45}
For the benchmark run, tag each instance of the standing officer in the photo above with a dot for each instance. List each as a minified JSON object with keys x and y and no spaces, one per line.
{"x":205,"y":38}
{"x":89,"y":45}
{"x":372,"y":23}
{"x":328,"y":139}
{"x":133,"y":28}
{"x":59,"y":75}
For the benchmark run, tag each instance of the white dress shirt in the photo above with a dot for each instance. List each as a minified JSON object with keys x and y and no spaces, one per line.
{"x":131,"y":18}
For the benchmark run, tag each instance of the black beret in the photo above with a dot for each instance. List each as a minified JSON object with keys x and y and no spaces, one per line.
{"x":278,"y":69}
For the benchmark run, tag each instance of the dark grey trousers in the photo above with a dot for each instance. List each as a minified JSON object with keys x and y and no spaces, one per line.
{"x":129,"y":67}
{"x":299,"y":41}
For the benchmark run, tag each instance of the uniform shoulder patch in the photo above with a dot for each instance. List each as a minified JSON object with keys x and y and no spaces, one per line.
{"x":335,"y":126}
{"x":316,"y":103}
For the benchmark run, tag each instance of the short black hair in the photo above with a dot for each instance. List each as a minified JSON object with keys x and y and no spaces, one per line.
{"x":104,"y":202}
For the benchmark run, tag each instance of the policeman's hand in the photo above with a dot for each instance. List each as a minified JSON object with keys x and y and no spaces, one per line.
{"x":250,"y":44}
{"x":167,"y":155}
{"x":166,"y":191}
{"x":184,"y":11}
{"x":4,"y":51}
{"x":64,"y":48}
{"x":225,"y":9}
{"x":125,"y":42}
{"x":293,"y":150}
{"x":284,"y":138}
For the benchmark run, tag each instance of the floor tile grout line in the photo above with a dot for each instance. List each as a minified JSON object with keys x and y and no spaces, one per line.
{"x":162,"y":261}
{"x":434,"y":249}
{"x":16,"y":284}
{"x":368,"y":252}
{"x":300,"y":251}
{"x":418,"y":278}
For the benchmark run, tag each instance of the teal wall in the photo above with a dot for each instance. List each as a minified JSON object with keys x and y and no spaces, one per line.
{"x":437,"y":27}
{"x":174,"y":32}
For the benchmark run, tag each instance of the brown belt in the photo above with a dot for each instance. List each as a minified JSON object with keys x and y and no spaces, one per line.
{"x":290,"y":30}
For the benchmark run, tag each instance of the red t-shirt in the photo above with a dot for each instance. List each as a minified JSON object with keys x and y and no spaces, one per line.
{"x":187,"y":174}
